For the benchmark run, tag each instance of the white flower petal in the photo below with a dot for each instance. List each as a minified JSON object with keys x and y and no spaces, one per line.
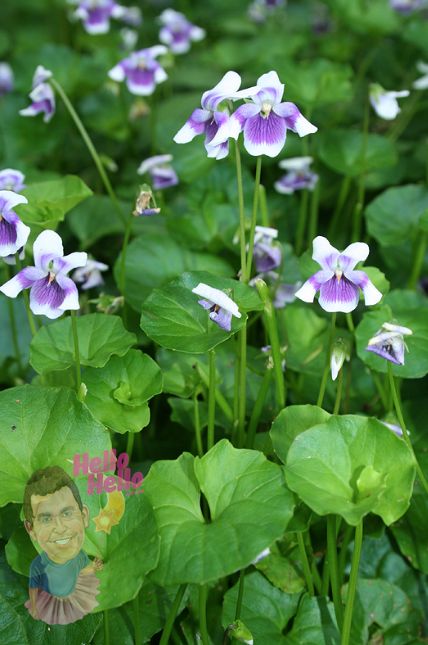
{"x":217,"y":297}
{"x":324,"y":253}
{"x":47,"y":243}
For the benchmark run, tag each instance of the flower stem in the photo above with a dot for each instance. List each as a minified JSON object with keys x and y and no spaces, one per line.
{"x":203,"y":593}
{"x":258,"y":407}
{"x":240,"y":594}
{"x":343,"y":550}
{"x":130,"y":444}
{"x":253,"y":218}
{"x":211,"y":399}
{"x":305,"y":563}
{"x":91,"y":148}
{"x":26,"y":300}
{"x":242,"y":401}
{"x":418,"y":261}
{"x":241,"y":211}
{"x":358,"y":212}
{"x":263,"y":206}
{"x":172,"y":615}
{"x":301,"y":225}
{"x":197,"y":423}
{"x":76,"y":350}
{"x":313,"y":214}
{"x":403,"y":425}
{"x":272,"y":329}
{"x":128,"y":229}
{"x":333,"y":568}
{"x":327,"y":362}
{"x":343,"y":194}
{"x":12,"y":321}
{"x":352,"y":584}
{"x":381,"y":390}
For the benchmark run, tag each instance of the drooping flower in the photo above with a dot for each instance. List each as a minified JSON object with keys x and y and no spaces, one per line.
{"x":51,"y":291}
{"x":90,"y":275}
{"x":267,"y":256}
{"x":339,"y":353}
{"x":338,"y":282}
{"x":177,"y":32}
{"x":143,"y":204}
{"x":220,"y":306}
{"x":13,"y":233}
{"x":388,"y":342}
{"x":212,"y":121}
{"x":11,"y":179}
{"x":421,"y":83}
{"x":96,"y":14}
{"x":161,"y":172}
{"x":141,"y":71}
{"x":42,"y":96}
{"x":265,"y":121}
{"x":385,"y":102}
{"x":6,"y":79}
{"x":298,"y":177}
{"x":407,"y":6}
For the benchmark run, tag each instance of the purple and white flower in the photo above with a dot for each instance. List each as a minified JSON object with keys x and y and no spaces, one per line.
{"x":265,"y":121}
{"x":13,"y":233}
{"x":338,"y":282}
{"x":51,"y":291}
{"x":212,"y":121}
{"x":385,"y":102}
{"x":177,"y":32}
{"x":131,"y":16}
{"x":285,"y":294}
{"x":339,"y":353}
{"x":298,"y":177}
{"x":220,"y":306}
{"x":42,"y":96}
{"x":141,"y":71}
{"x":161,"y":172}
{"x":421,"y":83}
{"x":90,"y":275}
{"x":96,"y":14}
{"x":6,"y":79}
{"x":388,"y":342}
{"x":407,"y":6}
{"x":267,"y":256}
{"x":11,"y":179}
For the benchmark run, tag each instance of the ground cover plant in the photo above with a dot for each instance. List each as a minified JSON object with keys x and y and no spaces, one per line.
{"x":213,"y":262}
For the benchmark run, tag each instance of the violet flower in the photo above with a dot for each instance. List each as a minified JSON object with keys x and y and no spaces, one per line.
{"x":51,"y":291}
{"x":220,"y":306}
{"x":421,"y":83}
{"x":267,"y":256}
{"x":299,"y":177}
{"x":388,"y":342}
{"x":42,"y":96}
{"x":11,"y":179}
{"x":339,"y":353}
{"x":407,"y":6}
{"x":162,"y":174}
{"x":13,"y":233}
{"x":265,"y":120}
{"x":210,"y":120}
{"x":338,"y":282}
{"x":90,"y":275}
{"x":96,"y":14}
{"x":6,"y":79}
{"x":385,"y":102}
{"x":177,"y":32}
{"x":285,"y":294}
{"x":141,"y":71}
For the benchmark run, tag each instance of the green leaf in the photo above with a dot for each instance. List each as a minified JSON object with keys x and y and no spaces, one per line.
{"x":12,"y":629}
{"x":100,"y":336}
{"x":282,"y":572}
{"x":118,"y":392}
{"x":352,"y":466}
{"x":291,"y":422}
{"x":411,"y":532}
{"x":245,"y":495}
{"x":345,"y":151}
{"x":314,"y":624}
{"x":39,"y":427}
{"x":93,"y":220}
{"x":316,"y":82}
{"x":23,"y":329}
{"x":394,"y":215}
{"x":179,"y":374}
{"x":373,"y":17}
{"x":20,"y":551}
{"x":307,"y":338}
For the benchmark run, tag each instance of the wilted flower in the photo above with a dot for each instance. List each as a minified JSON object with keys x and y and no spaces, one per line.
{"x":177,"y":32}
{"x":407,"y":6}
{"x":162,"y":174}
{"x":52,"y":292}
{"x":220,"y":306}
{"x":421,"y":83}
{"x":265,"y":120}
{"x":6,"y":79}
{"x":11,"y":179}
{"x":13,"y":233}
{"x":385,"y":103}
{"x":210,"y":120}
{"x":267,"y":256}
{"x":42,"y":96}
{"x":141,"y":70}
{"x":90,"y":274}
{"x":299,"y":176}
{"x":338,"y":282}
{"x":108,"y":304}
{"x":143,"y":205}
{"x":388,"y":342}
{"x":339,"y":353}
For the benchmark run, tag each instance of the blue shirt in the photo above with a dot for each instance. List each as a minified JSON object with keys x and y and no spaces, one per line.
{"x":56,"y":579}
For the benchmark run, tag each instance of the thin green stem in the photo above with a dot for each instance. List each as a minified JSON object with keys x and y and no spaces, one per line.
{"x":381,"y":390}
{"x":90,"y":146}
{"x":325,"y":577}
{"x":333,"y":568}
{"x":253,"y":218}
{"x":258,"y":407}
{"x":343,"y":551}
{"x":127,"y":235}
{"x":343,"y":194}
{"x":241,"y":211}
{"x":197,"y":424}
{"x":305,"y":563}
{"x":240,"y":597}
{"x":219,"y":397}
{"x":130,"y":444}
{"x":211,"y":399}
{"x":358,"y":212}
{"x":338,"y":400}
{"x":313,"y":213}
{"x":269,"y":315}
{"x":301,"y":224}
{"x":352,"y":585}
{"x":138,"y":637}
{"x":327,"y":362}
{"x":350,"y":323}
{"x":76,"y":350}
{"x":242,"y":402}
{"x":263,"y":206}
{"x":172,"y":615}
{"x":30,"y":317}
{"x":12,"y":321}
{"x":419,"y":256}
{"x":203,"y":593}
{"x":106,"y":627}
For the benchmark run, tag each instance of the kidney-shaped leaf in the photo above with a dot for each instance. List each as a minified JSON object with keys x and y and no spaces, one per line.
{"x":246,"y":496}
{"x":346,"y":151}
{"x":291,"y":422}
{"x":352,"y":466}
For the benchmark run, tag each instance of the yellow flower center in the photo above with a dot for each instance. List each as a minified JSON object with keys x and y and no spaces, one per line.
{"x":266,"y":109}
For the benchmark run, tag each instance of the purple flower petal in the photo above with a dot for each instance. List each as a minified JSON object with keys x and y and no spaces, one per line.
{"x":267,"y":257}
{"x":294,"y":119}
{"x":239,"y":117}
{"x":292,"y":181}
{"x":308,"y":290}
{"x":324,"y":253}
{"x":222,"y":318}
{"x":22,"y":280}
{"x":12,"y":180}
{"x":71,"y":294}
{"x":195,"y":124}
{"x":206,"y":304}
{"x":46,"y":297}
{"x":264,"y":135}
{"x":338,"y":295}
{"x":226,"y":88}
{"x":390,"y":348}
{"x":371,"y":295}
{"x":47,"y":246}
{"x":354,"y":253}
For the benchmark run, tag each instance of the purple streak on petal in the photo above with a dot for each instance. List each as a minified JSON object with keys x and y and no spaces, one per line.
{"x":206,"y":304}
{"x":7,"y":233}
{"x":222,"y":318}
{"x":266,"y":257}
{"x":28,"y":276}
{"x":245,"y":112}
{"x":219,"y":151}
{"x":339,"y":295}
{"x":386,"y":350}
{"x":163,"y":178}
{"x":48,"y":294}
{"x":265,"y":135}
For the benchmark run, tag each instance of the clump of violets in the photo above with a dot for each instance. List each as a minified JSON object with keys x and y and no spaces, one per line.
{"x":298,"y":175}
{"x":267,"y":255}
{"x":96,"y":15}
{"x":89,"y":276}
{"x":177,"y":32}
{"x":11,"y":179}
{"x":6,"y":79}
{"x":141,"y":71}
{"x":388,"y":342}
{"x":13,"y":233}
{"x":42,"y":96}
{"x":421,"y":83}
{"x":338,"y":282}
{"x":51,"y":291}
{"x":385,"y":102}
{"x":161,"y":172}
{"x":221,"y":308}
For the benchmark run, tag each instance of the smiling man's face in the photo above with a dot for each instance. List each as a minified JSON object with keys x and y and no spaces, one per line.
{"x":58,"y":524}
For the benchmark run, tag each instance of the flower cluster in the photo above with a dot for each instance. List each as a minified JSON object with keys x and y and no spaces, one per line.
{"x":42,"y":96}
